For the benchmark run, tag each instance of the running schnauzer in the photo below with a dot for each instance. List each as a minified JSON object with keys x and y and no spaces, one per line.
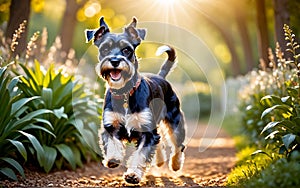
{"x":139,"y":108}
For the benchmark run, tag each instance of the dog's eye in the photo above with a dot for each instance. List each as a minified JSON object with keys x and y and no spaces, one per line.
{"x":105,"y":51}
{"x":126,"y":52}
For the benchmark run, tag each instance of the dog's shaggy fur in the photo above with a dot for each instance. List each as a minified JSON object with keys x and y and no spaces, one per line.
{"x":138,"y":108}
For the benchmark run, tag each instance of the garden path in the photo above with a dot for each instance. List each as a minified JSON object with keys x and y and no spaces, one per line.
{"x":210,"y":156}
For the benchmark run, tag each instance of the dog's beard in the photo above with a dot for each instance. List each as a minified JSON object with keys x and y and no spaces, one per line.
{"x":116,"y":77}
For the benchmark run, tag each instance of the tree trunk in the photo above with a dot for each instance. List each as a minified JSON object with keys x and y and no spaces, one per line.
{"x":68,"y":25}
{"x":19,"y":11}
{"x":282,"y":17}
{"x":246,"y":43}
{"x":262,"y":30}
{"x":67,"y":28}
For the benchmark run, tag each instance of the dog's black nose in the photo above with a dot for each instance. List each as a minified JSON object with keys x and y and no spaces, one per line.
{"x":115,"y":63}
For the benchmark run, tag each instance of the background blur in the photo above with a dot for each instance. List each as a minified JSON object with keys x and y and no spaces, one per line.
{"x":237,"y":33}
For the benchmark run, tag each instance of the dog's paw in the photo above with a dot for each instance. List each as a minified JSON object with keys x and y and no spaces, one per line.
{"x":177,"y":161}
{"x":132,"y":178}
{"x":160,"y":163}
{"x":113,"y":163}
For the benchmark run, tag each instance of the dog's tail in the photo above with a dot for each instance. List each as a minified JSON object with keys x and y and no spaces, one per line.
{"x":169,"y":63}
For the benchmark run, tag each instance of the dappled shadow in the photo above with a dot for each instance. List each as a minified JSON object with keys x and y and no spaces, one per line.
{"x":204,"y":167}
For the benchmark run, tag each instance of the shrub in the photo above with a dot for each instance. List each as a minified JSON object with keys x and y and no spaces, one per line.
{"x":74,"y":118}
{"x":280,"y":173}
{"x":260,"y":84}
{"x":275,"y":114}
{"x":47,"y":116}
{"x":249,"y":165}
{"x":284,"y":110}
{"x":16,"y":126}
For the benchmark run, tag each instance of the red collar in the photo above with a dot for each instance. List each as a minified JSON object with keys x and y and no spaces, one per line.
{"x":134,"y":88}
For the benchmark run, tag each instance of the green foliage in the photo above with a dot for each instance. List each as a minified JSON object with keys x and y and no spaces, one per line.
{"x":249,"y":165}
{"x":284,"y":111}
{"x":261,"y":171}
{"x":48,"y":117}
{"x":280,"y":173}
{"x":273,"y":111}
{"x":73,"y":121}
{"x":16,"y":126}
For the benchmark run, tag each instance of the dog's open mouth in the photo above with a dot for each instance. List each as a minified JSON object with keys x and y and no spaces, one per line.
{"x":115,"y":74}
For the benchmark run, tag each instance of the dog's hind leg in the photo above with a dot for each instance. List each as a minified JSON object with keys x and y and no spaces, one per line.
{"x":160,"y":155}
{"x":176,"y":132}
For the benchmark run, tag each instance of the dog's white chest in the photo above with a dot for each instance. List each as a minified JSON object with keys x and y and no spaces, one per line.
{"x":138,"y":121}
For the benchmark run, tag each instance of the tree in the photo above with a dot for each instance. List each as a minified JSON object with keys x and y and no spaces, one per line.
{"x":19,"y":11}
{"x":245,"y":38}
{"x":68,"y":24}
{"x":282,"y":16}
{"x":262,"y":31}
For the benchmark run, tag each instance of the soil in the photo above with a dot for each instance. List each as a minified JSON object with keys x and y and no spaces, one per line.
{"x":210,"y":156}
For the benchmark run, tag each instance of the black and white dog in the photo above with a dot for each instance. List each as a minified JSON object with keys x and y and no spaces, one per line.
{"x":139,"y":108}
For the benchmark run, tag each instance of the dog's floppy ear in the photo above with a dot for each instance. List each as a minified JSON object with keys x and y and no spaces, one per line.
{"x":97,"y":34}
{"x":136,"y":34}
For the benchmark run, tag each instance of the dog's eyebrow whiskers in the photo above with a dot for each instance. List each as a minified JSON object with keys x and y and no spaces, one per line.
{"x":123,"y":43}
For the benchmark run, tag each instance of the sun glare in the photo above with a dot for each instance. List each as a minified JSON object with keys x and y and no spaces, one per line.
{"x":166,"y":2}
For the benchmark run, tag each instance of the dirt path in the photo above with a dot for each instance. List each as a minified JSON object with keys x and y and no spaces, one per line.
{"x":203,"y":167}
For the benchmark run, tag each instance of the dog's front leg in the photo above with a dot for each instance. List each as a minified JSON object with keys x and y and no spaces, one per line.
{"x":111,"y":145}
{"x":139,"y":161}
{"x":113,"y":150}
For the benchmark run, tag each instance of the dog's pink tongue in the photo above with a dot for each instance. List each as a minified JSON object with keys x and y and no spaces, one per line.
{"x":115,"y":74}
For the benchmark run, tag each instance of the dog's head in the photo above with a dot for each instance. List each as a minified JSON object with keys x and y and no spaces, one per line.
{"x":117,"y":62}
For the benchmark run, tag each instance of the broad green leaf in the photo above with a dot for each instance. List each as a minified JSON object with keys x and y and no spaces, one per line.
{"x":45,"y":122}
{"x":272,"y":135}
{"x":47,"y":95}
{"x":67,"y":153}
{"x":50,"y":156}
{"x":260,"y":152}
{"x":13,"y":84}
{"x":37,"y":146}
{"x":284,"y":108}
{"x":59,"y":113}
{"x":47,"y":78}
{"x":78,"y":124}
{"x":90,"y":139}
{"x":27,"y":118}
{"x":77,"y":156}
{"x":63,"y":94}
{"x":33,"y":82}
{"x":20,"y":103}
{"x":20,"y":147}
{"x":288,"y":139}
{"x":266,"y":100}
{"x":285,"y":99}
{"x":32,"y":126}
{"x":2,"y":70}
{"x":15,"y":164}
{"x":270,"y":125}
{"x":59,"y":162}
{"x":289,"y":125}
{"x":9,"y":173}
{"x":20,"y":111}
{"x":5,"y":107}
{"x":293,"y":92}
{"x":282,"y":149}
{"x":38,"y":73}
